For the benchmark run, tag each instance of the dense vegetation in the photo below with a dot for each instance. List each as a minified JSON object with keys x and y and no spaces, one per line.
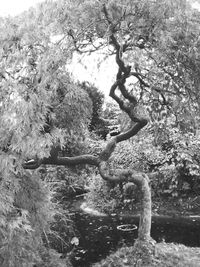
{"x":53,"y":129}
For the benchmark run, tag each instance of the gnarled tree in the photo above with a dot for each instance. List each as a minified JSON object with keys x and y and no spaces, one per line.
{"x":127,"y":103}
{"x":42,"y":110}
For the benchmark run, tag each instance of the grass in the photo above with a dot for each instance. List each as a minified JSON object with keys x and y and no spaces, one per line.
{"x":153,"y":255}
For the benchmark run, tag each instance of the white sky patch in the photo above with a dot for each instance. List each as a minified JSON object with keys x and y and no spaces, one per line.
{"x":196,"y":5}
{"x":15,"y":7}
{"x":101,"y":76}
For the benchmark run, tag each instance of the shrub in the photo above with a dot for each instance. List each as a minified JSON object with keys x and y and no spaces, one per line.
{"x":103,"y":196}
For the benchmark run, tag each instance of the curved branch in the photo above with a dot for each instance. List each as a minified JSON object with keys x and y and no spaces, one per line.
{"x":106,"y":153}
{"x":114,"y":96}
{"x":133,"y":131}
{"x":32,"y":164}
{"x":126,"y":94}
{"x":123,"y":73}
{"x":119,"y":48}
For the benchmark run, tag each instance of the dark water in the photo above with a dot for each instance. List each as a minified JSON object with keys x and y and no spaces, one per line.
{"x":99,"y":236}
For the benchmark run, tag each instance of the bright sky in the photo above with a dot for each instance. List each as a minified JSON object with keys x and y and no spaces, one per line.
{"x":196,"y":5}
{"x":14,"y":7}
{"x":102,"y":76}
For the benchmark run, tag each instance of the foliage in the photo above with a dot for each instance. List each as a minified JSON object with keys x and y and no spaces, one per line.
{"x":37,"y":99}
{"x":66,"y":181}
{"x":73,"y":116}
{"x":97,"y":123}
{"x":181,"y":156}
{"x":112,"y":115}
{"x":102,"y":196}
{"x":26,"y":215}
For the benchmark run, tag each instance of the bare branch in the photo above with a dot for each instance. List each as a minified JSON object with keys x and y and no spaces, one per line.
{"x":62,"y":161}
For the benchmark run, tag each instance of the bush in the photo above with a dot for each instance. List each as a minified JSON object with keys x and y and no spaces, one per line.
{"x":103,"y":196}
{"x":25,"y":222}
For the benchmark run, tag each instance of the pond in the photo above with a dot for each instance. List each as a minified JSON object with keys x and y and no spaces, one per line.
{"x":100,"y":235}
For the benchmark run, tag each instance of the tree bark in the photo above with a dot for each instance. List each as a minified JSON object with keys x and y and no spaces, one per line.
{"x":141,"y":180}
{"x":144,"y":232}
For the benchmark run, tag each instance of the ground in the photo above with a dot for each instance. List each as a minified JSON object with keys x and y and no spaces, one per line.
{"x":158,"y":255}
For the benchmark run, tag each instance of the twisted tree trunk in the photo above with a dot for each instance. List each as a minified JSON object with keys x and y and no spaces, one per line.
{"x":144,"y":231}
{"x":141,"y":180}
